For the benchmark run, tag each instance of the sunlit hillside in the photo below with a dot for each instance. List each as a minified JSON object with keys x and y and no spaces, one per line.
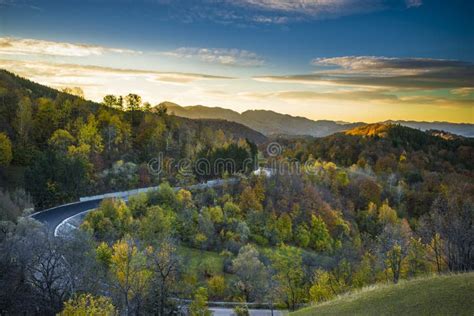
{"x":440,"y":295}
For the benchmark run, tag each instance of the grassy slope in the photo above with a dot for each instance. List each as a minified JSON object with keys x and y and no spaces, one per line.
{"x":445,"y":295}
{"x":197,"y":261}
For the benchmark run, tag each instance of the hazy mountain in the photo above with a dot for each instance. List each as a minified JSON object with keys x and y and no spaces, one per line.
{"x":266,"y":122}
{"x":463,"y":129}
{"x":273,"y":123}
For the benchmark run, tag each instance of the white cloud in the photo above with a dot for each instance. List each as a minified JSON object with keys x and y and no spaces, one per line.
{"x":301,"y":6}
{"x":310,"y":8}
{"x":413,"y":3}
{"x":223,"y":56}
{"x":88,"y":75}
{"x":26,"y":46}
{"x":397,"y":73}
{"x":464,"y":92}
{"x":243,"y":12}
{"x":387,"y":65}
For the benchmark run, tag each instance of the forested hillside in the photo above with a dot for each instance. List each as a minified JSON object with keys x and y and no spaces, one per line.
{"x":375,"y":204}
{"x":59,"y":146}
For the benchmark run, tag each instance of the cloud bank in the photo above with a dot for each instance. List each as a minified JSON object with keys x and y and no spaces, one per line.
{"x":369,"y":71}
{"x":83,"y":75}
{"x":27,"y":46}
{"x":223,"y":56}
{"x":242,"y":12}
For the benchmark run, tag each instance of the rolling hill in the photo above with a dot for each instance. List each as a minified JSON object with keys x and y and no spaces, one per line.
{"x":24,"y":87}
{"x":266,"y":122}
{"x":439,"y":295}
{"x":272,"y":123}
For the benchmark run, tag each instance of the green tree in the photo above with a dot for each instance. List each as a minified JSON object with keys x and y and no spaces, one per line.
{"x":288,"y":264}
{"x":393,"y":260}
{"x":320,"y":238}
{"x":198,"y":306}
{"x":165,"y":265}
{"x":249,"y":201}
{"x":387,"y":214}
{"x":51,"y":186}
{"x":157,"y":224}
{"x":162,"y":109}
{"x":164,"y":196}
{"x":321,"y":290}
{"x":252,"y":273}
{"x":113,"y":101}
{"x":303,"y":236}
{"x":216,"y":285}
{"x":88,"y":305}
{"x":111,"y":220}
{"x":241,"y":310}
{"x":366,"y":272}
{"x":116,"y":134}
{"x":46,"y":120}
{"x":5,"y":150}
{"x":104,"y":254}
{"x":138,"y":205}
{"x":417,"y":262}
{"x":61,"y":140}
{"x":231,"y":210}
{"x":130,"y":273}
{"x":89,"y":135}
{"x":284,"y":228}
{"x":23,"y":120}
{"x":133,"y":101}
{"x":216,"y":214}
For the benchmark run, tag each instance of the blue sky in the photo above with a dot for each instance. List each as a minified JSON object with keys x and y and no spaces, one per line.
{"x":264,"y":46}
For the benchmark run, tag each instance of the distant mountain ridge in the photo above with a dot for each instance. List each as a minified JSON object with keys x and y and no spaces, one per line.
{"x":266,"y":122}
{"x":271,"y":123}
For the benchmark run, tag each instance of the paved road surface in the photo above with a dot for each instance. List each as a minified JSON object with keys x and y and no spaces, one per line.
{"x":217,"y":311}
{"x":54,"y":216}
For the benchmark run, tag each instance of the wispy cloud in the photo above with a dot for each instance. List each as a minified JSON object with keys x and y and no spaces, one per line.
{"x":23,"y":4}
{"x":84,"y":75}
{"x":315,"y":8}
{"x":305,"y":95}
{"x":243,"y":12}
{"x":369,"y":71}
{"x":413,"y":3}
{"x":27,"y":46}
{"x":223,"y":56}
{"x":375,"y":97}
{"x":464,"y":92}
{"x":387,"y":64}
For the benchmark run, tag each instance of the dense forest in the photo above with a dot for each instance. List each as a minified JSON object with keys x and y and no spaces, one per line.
{"x":378,"y":203}
{"x":101,"y":147}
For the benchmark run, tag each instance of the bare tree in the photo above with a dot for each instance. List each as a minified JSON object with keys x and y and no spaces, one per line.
{"x":165,"y":264}
{"x":452,"y":217}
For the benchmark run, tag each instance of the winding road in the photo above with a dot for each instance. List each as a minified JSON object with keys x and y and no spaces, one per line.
{"x":54,"y":217}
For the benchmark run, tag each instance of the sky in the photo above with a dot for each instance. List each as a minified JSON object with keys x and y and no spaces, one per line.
{"x":345,"y":60}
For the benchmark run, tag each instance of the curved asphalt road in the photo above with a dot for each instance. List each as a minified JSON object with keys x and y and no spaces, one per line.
{"x":54,"y":216}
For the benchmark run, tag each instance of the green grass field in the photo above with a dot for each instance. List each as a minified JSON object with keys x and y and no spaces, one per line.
{"x":199,"y":260}
{"x":439,"y":295}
